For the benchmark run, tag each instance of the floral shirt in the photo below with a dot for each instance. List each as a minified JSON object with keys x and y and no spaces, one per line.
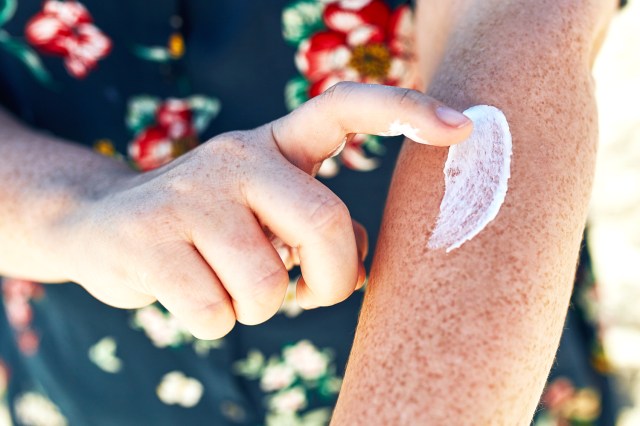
{"x":144,"y":82}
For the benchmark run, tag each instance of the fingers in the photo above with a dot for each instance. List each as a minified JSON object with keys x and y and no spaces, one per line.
{"x":362,"y":242}
{"x":123,"y":297}
{"x":362,"y":239}
{"x":306,"y":298}
{"x":304,"y":295}
{"x":314,"y":131}
{"x":362,"y":276}
{"x":288,"y":254}
{"x":309,"y":217}
{"x":185,"y":284}
{"x":244,"y":260}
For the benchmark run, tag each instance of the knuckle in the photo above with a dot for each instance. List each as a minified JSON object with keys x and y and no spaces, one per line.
{"x":262,"y":299}
{"x":218,"y":169}
{"x":272,"y":280}
{"x":268,"y":284}
{"x":230,"y":145}
{"x":332,"y":98}
{"x":409,"y":97}
{"x":215,"y":307}
{"x":205,"y":317}
{"x":215,"y":319}
{"x":179,"y":184}
{"x":337,"y":92}
{"x":216,"y":331}
{"x":330,"y":295}
{"x":331,"y":215}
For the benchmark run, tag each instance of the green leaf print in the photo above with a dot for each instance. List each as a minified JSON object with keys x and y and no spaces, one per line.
{"x":141,"y":112}
{"x":26,"y":55}
{"x":296,"y":92}
{"x":7,"y":10}
{"x":153,"y":53}
{"x":301,"y":19}
{"x":373,"y":144}
{"x":204,"y":110}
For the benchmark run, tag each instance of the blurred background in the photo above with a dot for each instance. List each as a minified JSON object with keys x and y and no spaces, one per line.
{"x":614,"y":235}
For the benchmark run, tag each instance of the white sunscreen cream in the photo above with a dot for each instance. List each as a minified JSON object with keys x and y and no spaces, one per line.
{"x":398,"y":128}
{"x":475,"y":176}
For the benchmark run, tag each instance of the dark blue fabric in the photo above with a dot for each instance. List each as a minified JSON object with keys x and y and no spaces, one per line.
{"x":235,"y":53}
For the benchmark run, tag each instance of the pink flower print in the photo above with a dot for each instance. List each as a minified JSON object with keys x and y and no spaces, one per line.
{"x":364,"y":41}
{"x":65,"y":29}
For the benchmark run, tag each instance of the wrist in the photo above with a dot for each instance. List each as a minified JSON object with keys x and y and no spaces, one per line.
{"x":58,"y":233}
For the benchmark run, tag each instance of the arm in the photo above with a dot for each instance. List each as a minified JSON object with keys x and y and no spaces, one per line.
{"x":43,"y":179}
{"x":470,"y":336}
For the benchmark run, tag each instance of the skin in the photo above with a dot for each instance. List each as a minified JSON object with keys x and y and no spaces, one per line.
{"x":469,"y":337}
{"x":195,"y":234}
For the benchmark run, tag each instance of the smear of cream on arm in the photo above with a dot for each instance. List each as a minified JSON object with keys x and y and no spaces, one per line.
{"x":475,"y":174}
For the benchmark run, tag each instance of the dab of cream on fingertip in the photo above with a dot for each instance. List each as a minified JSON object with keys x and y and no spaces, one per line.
{"x":475,"y":175}
{"x":398,"y":128}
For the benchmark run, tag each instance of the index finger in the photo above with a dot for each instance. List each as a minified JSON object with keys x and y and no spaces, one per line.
{"x":314,"y":131}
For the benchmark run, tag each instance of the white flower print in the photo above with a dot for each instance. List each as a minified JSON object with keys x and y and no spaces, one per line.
{"x":176,"y":388}
{"x":317,"y":417}
{"x":251,"y":367}
{"x":103,"y":354}
{"x":290,"y":307}
{"x":289,"y":380}
{"x":306,"y":360}
{"x":288,"y":401}
{"x":164,"y":330}
{"x":277,"y":376}
{"x":34,"y":409}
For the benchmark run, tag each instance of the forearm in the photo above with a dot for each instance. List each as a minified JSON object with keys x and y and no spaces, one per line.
{"x":470,"y":336}
{"x":43,"y":178}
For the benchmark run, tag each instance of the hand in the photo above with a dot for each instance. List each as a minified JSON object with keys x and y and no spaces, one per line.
{"x":191,"y":234}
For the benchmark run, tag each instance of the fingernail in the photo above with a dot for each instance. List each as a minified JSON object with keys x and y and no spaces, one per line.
{"x":451,"y":117}
{"x":339,"y":148}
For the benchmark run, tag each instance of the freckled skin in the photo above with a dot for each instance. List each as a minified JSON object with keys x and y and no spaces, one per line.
{"x":469,"y":337}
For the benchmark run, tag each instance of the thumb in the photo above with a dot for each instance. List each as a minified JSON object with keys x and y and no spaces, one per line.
{"x":317,"y":129}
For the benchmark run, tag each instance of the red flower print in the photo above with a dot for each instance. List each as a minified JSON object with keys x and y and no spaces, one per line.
{"x":19,"y":313}
{"x":364,"y":41}
{"x":28,"y":342}
{"x":568,"y":405}
{"x":4,"y":378}
{"x":349,"y":40}
{"x":557,"y":393}
{"x":16,"y":289}
{"x":65,"y":29}
{"x":172,"y":135}
{"x":354,"y":157}
{"x":16,"y":295}
{"x":175,"y":115}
